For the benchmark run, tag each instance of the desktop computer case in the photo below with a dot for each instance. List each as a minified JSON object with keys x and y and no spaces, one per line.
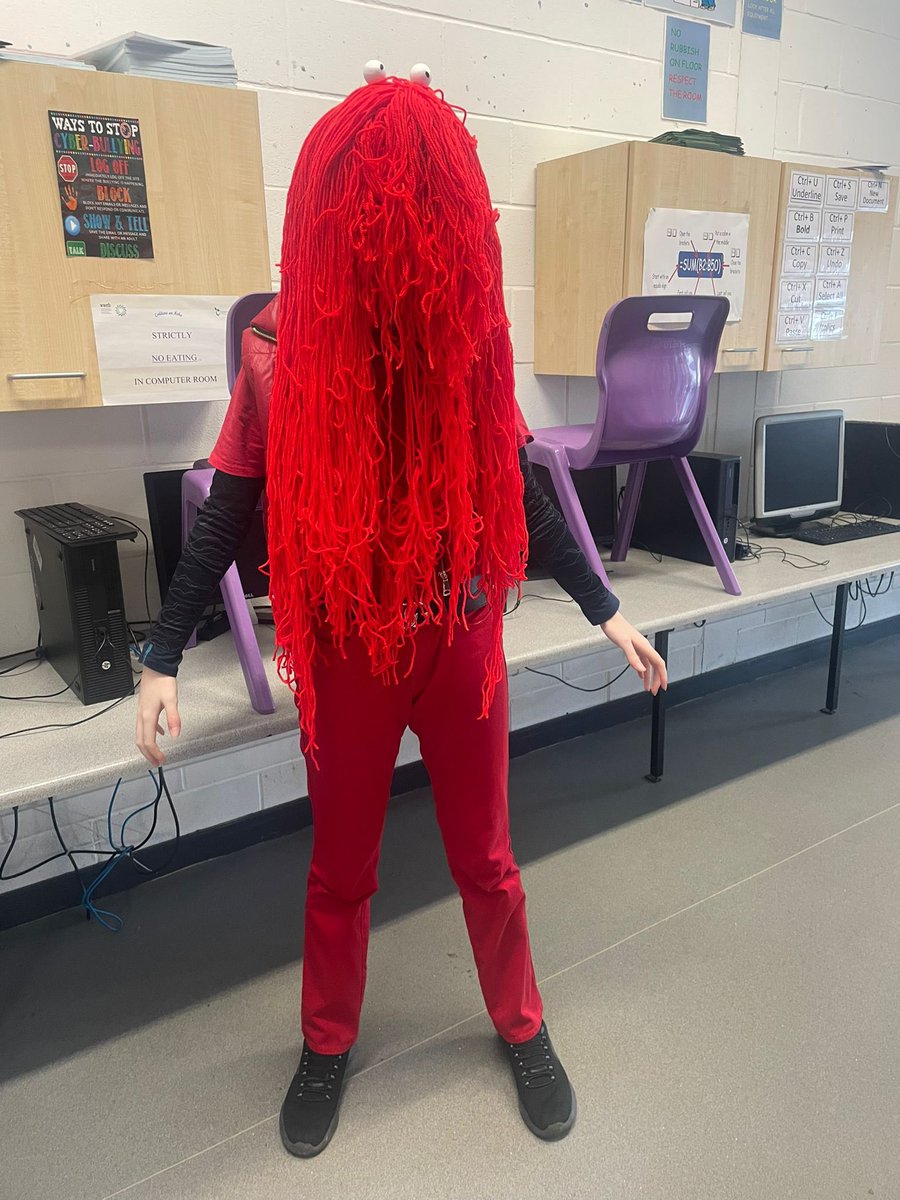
{"x":596,"y":489}
{"x":665,"y":524}
{"x":81,"y":612}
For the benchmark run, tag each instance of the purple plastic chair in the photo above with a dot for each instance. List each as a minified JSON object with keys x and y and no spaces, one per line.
{"x":653,"y":385}
{"x":195,"y":485}
{"x":240,"y":316}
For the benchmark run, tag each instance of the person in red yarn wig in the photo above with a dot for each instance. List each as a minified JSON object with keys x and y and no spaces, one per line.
{"x":376,"y":407}
{"x":391,"y":473}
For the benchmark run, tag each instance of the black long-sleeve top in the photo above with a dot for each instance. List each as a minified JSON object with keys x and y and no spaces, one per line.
{"x":224,"y":520}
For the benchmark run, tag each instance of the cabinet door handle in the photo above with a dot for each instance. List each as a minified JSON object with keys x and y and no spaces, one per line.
{"x":799,"y":350}
{"x":49,"y":375}
{"x":741,"y":350}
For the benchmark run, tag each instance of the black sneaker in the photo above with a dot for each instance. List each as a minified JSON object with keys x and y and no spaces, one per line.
{"x":546,"y":1098}
{"x":309,"y":1114}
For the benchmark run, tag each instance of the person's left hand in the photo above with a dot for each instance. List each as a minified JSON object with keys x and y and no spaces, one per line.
{"x":640,"y":654}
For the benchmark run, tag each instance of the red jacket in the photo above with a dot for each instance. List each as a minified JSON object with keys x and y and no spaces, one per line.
{"x":241,"y":446}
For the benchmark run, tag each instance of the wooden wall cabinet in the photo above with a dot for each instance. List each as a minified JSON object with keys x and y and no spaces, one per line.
{"x":591,"y":212}
{"x":207,"y":215}
{"x":870,"y":254}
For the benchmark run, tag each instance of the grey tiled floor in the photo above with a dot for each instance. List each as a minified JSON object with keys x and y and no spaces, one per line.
{"x":719,"y":960}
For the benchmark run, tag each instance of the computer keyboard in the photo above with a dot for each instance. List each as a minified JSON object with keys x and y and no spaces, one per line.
{"x":76,"y":523}
{"x":827,"y":534}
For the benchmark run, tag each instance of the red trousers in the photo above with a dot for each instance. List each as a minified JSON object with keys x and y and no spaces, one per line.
{"x":359,"y":723}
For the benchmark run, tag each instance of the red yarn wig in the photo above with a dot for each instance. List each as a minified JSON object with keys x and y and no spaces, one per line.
{"x":392,"y":443}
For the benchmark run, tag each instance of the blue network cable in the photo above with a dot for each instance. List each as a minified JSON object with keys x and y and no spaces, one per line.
{"x":115,"y":922}
{"x":122,"y":850}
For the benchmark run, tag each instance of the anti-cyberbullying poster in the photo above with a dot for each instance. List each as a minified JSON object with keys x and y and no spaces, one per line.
{"x":102,"y":187}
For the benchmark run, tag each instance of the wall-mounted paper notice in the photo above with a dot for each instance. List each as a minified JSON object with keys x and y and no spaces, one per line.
{"x":807,"y":188}
{"x":793,"y":327}
{"x":688,"y":253}
{"x":762,"y":17}
{"x":799,"y":259}
{"x":803,"y":225}
{"x":159,"y":349}
{"x":827,"y":324}
{"x":834,"y":259}
{"x":831,"y":290}
{"x":841,"y":192}
{"x":874,"y":195}
{"x":686,"y":71}
{"x":795,"y":293}
{"x":837,"y":226}
{"x":719,"y":12}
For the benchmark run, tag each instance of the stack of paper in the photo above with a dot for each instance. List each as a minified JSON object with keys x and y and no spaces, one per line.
{"x":190,"y":62}
{"x":701,"y":139}
{"x":11,"y":54}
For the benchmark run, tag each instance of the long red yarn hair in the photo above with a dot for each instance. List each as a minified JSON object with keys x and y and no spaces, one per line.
{"x":392,"y":474}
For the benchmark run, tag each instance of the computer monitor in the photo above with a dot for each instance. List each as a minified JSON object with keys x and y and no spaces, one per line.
{"x":163,"y":491}
{"x":799,"y":468}
{"x":872,"y":468}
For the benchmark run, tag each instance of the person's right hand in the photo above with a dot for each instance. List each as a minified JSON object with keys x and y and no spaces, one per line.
{"x":157,"y":694}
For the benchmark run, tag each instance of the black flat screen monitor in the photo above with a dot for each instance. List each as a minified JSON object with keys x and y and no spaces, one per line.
{"x":163,"y":490}
{"x":799,"y":466}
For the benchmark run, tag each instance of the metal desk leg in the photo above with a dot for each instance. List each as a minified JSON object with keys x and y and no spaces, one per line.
{"x":658,"y":723}
{"x":837,"y":648}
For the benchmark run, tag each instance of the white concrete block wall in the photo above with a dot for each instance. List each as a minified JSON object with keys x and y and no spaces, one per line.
{"x":539,"y":78}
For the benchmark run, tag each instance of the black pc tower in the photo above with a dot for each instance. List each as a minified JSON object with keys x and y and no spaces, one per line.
{"x":665,"y":524}
{"x":74,"y":560}
{"x":871,"y":468}
{"x":597,"y":489}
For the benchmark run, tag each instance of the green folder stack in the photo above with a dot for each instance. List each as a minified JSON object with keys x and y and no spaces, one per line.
{"x":701,"y":139}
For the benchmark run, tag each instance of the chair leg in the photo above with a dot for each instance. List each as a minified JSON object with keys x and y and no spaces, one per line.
{"x":574,"y":514}
{"x":634,"y":486}
{"x":704,"y":520}
{"x":245,"y":642}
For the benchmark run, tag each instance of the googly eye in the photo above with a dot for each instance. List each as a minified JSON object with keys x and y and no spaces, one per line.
{"x":374,"y":72}
{"x":421,"y":73}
